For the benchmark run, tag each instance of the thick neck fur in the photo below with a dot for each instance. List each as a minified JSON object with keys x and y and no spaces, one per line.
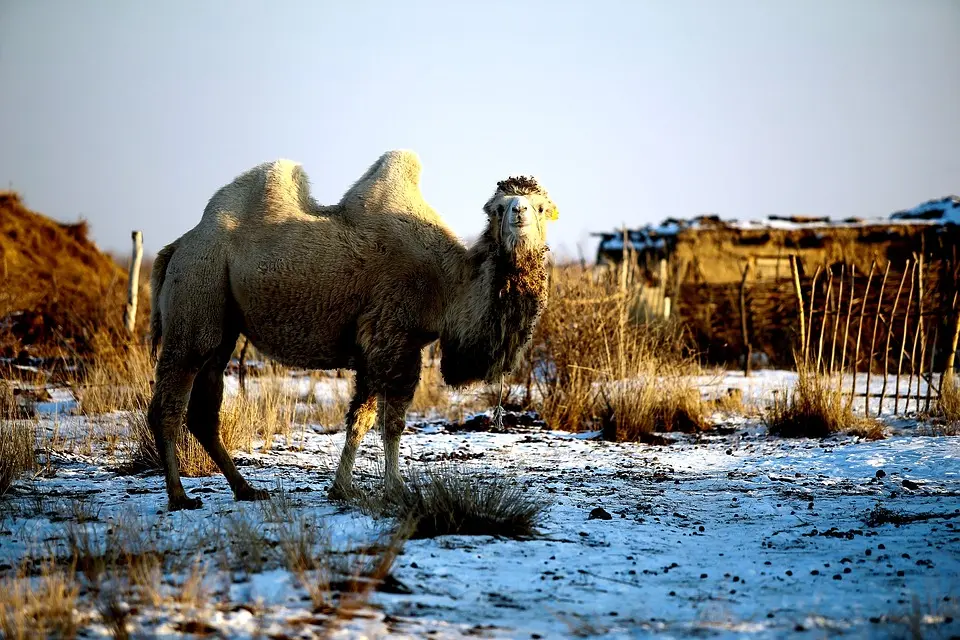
{"x":489,"y":321}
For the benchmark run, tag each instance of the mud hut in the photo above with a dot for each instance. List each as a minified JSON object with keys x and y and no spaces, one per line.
{"x":702,"y":264}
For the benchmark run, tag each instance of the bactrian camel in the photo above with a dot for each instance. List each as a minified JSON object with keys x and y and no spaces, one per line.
{"x":362,"y":285}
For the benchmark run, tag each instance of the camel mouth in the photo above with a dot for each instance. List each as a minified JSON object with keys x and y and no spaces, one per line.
{"x":519,"y":213}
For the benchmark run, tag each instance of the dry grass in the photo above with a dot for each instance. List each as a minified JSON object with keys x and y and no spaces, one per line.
{"x":244,"y":419}
{"x":432,"y":397}
{"x":948,"y":404}
{"x":330,"y":409}
{"x":447,"y":500}
{"x":816,"y":408}
{"x":116,"y":380}
{"x":39,"y":607}
{"x":17,"y":450}
{"x":596,"y":365}
{"x":60,"y":296}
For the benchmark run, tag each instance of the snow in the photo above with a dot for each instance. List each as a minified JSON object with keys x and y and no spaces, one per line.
{"x":720,"y":535}
{"x":651,"y":236}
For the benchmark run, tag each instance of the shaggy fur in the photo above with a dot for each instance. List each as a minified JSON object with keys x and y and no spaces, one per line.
{"x":364,"y":284}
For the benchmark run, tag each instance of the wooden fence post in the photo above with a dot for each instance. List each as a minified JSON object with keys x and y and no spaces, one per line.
{"x":799,"y":291}
{"x":948,"y":370}
{"x":133,"y":286}
{"x":748,"y":353}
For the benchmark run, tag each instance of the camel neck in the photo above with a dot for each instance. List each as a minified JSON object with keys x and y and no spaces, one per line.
{"x":492,"y":316}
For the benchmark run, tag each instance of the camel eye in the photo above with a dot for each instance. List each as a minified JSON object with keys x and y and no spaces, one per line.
{"x":540,"y":209}
{"x":500,"y":209}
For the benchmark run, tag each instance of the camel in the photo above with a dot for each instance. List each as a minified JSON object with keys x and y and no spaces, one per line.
{"x":362,"y":285}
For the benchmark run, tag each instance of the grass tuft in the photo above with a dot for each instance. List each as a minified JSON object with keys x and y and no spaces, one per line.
{"x":948,"y":404}
{"x":17,"y":450}
{"x":815,"y":408}
{"x":39,"y":607}
{"x":244,"y":419}
{"x":444,"y":500}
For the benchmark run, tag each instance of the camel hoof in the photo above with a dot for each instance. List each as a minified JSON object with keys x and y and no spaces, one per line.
{"x":179,"y":504}
{"x":340,"y":493}
{"x":249,"y":494}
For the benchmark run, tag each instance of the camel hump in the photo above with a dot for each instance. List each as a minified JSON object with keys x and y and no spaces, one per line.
{"x":285,"y":186}
{"x":391,"y":185}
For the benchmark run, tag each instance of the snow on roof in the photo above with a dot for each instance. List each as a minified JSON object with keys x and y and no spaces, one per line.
{"x":942,"y":211}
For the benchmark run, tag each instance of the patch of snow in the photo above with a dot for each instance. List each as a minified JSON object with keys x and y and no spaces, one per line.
{"x":719,"y":535}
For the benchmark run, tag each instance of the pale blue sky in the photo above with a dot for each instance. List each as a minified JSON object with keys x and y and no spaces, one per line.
{"x":132,"y":114}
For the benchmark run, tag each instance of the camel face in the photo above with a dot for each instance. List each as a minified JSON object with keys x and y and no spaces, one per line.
{"x":518,"y":212}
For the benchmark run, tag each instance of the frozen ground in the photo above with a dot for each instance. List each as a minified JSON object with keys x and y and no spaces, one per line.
{"x":734,"y":535}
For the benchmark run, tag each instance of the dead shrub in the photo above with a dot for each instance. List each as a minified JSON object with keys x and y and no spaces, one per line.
{"x":815,"y":408}
{"x":445,"y":500}
{"x":17,"y":450}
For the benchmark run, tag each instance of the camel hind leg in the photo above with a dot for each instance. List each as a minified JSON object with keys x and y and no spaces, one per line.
{"x":203,"y":417}
{"x":165,"y":415}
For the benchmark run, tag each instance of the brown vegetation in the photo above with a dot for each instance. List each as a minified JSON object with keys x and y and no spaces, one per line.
{"x":815,"y":408}
{"x":17,"y":450}
{"x":446,"y":500}
{"x":60,"y":296}
{"x":596,"y":364}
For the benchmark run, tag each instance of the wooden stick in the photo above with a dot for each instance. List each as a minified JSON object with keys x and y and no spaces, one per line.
{"x":873,"y":339}
{"x":903,"y":343}
{"x":954,"y":340}
{"x":743,"y":321}
{"x":133,"y":285}
{"x":933,"y":352}
{"x":796,"y":286}
{"x":856,"y":350}
{"x":836,"y":320}
{"x":886,"y":349}
{"x":813,"y":289}
{"x":916,"y":335}
{"x":846,"y":330}
{"x":923,"y":355}
{"x":823,"y":321}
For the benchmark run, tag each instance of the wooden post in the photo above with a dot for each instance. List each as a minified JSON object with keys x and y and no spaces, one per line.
{"x":903,"y":344}
{"x":813,"y":294}
{"x":948,"y":370}
{"x":796,"y":285}
{"x":886,"y":349}
{"x":846,"y":329}
{"x":133,"y":288}
{"x":873,"y":340}
{"x":836,"y":320}
{"x":856,"y":349}
{"x":743,"y":321}
{"x":916,"y":335}
{"x":823,"y":323}
{"x":933,"y":352}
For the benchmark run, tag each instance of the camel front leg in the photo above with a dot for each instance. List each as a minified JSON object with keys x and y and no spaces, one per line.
{"x":360,"y":418}
{"x":394,"y":422}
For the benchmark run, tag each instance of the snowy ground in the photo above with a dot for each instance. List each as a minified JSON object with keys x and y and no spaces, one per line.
{"x":735,"y":535}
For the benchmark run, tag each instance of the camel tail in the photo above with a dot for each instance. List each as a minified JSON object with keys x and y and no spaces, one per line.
{"x":157,"y":277}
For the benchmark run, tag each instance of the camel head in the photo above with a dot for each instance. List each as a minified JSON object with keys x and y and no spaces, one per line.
{"x":518,"y":213}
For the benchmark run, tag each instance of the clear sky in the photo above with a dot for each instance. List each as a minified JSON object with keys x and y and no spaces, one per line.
{"x":131,"y":114}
